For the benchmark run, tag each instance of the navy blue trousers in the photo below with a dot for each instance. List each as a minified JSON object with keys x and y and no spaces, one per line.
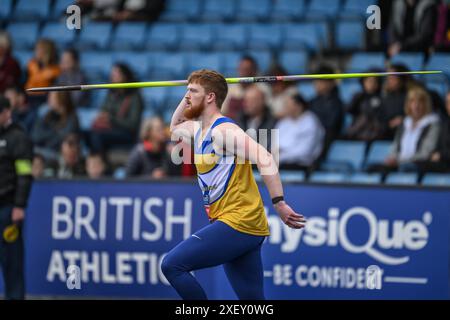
{"x":217,"y":244}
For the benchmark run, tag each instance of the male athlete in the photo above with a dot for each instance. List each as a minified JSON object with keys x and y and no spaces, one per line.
{"x":238,"y":224}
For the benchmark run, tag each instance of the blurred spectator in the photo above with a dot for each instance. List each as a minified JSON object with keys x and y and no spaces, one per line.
{"x":139,"y":10}
{"x":120,"y":116}
{"x":38,"y":166}
{"x":21,"y":111}
{"x":9,"y":67}
{"x":365,"y":109}
{"x":70,"y":162}
{"x":440,"y":159}
{"x":233,"y":104}
{"x":327,"y":105}
{"x":416,"y":138}
{"x":280,"y":92}
{"x":58,"y":122}
{"x":256,"y":115}
{"x":393,"y":101}
{"x":151,"y":157}
{"x":300,"y":135}
{"x":43,"y":69}
{"x":413,"y":25}
{"x":96,"y":166}
{"x":442,"y":36}
{"x":71,"y":74}
{"x":122,"y":10}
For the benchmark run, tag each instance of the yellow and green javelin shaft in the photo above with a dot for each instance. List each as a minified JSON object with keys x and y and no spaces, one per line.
{"x":175,"y":83}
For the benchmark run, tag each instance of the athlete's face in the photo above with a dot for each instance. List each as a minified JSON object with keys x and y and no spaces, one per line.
{"x":195,"y":99}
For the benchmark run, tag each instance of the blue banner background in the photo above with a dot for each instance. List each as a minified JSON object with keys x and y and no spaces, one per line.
{"x":317,"y":253}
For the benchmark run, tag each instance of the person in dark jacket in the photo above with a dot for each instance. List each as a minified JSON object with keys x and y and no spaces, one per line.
{"x":16,"y":153}
{"x":9,"y":67}
{"x":365,"y":108}
{"x":118,"y":121}
{"x":393,"y":101}
{"x":412,"y":26}
{"x":327,"y":105}
{"x":71,"y":74}
{"x":61,"y":120}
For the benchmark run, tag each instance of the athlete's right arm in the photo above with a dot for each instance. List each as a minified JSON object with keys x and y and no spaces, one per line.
{"x":179,"y":125}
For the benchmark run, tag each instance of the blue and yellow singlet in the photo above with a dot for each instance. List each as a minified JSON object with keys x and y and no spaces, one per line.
{"x":230,"y":193}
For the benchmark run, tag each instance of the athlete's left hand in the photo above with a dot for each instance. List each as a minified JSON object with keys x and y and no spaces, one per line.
{"x":289,"y":216}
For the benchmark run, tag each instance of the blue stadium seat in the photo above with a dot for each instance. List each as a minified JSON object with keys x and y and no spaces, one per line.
{"x":355,"y":9}
{"x":97,"y":98}
{"x":23,"y":57}
{"x":348,"y":120}
{"x":378,"y":152}
{"x":328,"y":177}
{"x":350,"y":35}
{"x":230,"y":62}
{"x":196,"y":37}
{"x":139,"y":62}
{"x":97,"y":66}
{"x":401,"y":178}
{"x":348,"y":89}
{"x":263,"y":58}
{"x":307,"y":90}
{"x":175,"y":94}
{"x":85,"y":117}
{"x":413,"y":61}
{"x":365,"y":178}
{"x":440,"y":61}
{"x":120,"y":173}
{"x":24,"y":34}
{"x":163,"y":36}
{"x":264,"y":36}
{"x":129,"y":35}
{"x":155,"y":98}
{"x":27,"y":10}
{"x":303,"y":36}
{"x":294,"y":62}
{"x":345,"y":156}
{"x":95,"y":35}
{"x":362,"y":61}
{"x":169,"y":66}
{"x":60,"y":8}
{"x":441,"y":87}
{"x":5,"y":9}
{"x":286,"y":10}
{"x":181,"y":10}
{"x":196,"y":61}
{"x":436,"y":179}
{"x":59,"y":33}
{"x":249,"y":11}
{"x":149,"y":113}
{"x":231,"y":37}
{"x":323,"y":9}
{"x":219,"y":10}
{"x":292,"y":176}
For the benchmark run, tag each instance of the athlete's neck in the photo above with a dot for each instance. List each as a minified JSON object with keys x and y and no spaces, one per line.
{"x":208,"y":117}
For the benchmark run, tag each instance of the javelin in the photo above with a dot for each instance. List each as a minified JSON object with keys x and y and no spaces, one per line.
{"x":175,"y":83}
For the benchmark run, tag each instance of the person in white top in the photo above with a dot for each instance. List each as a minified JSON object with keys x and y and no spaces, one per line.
{"x":417,"y":136}
{"x":301,"y":135}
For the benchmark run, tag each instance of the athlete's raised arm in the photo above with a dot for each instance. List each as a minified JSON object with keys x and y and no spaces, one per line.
{"x":180,"y":126}
{"x":232,"y":138}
